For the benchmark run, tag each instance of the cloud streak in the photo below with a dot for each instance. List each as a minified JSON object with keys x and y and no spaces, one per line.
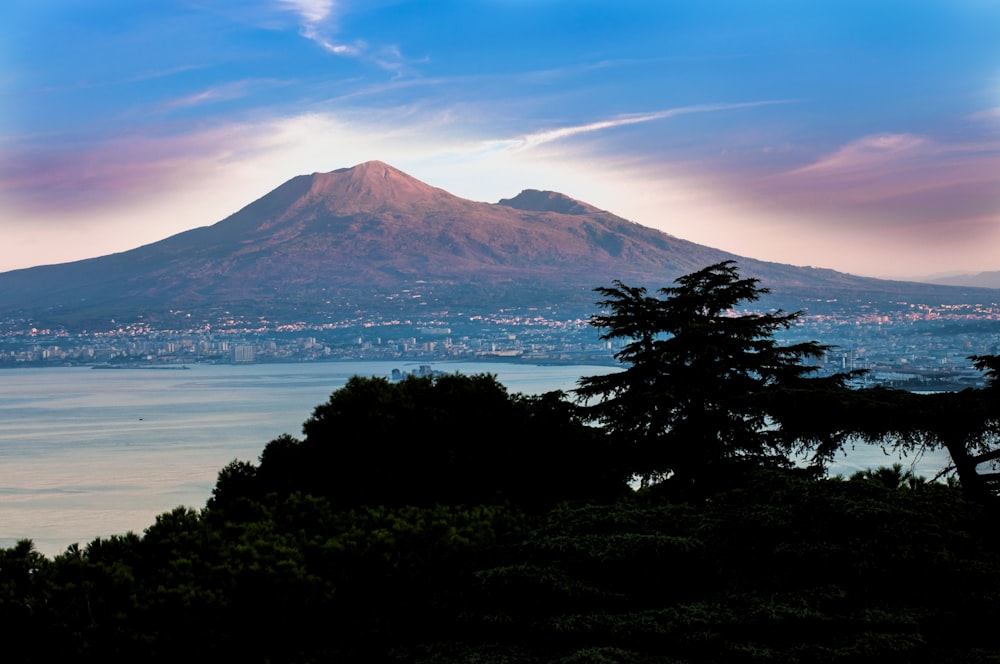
{"x":866,"y":154}
{"x":989,"y":115}
{"x":314,"y":15}
{"x":215,"y":94}
{"x":312,"y":11}
{"x":542,"y":137}
{"x":892,"y":198}
{"x":893,"y":166}
{"x":317,"y":20}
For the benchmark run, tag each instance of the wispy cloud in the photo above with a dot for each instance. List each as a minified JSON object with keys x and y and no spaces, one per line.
{"x":885,"y":165}
{"x":218,"y":93}
{"x":140,"y":77}
{"x":539,"y":138}
{"x":318,"y":23}
{"x":869,"y":152}
{"x":312,"y":12}
{"x":77,"y":174}
{"x":887,"y":183}
{"x":988,"y":115}
{"x":315,"y":17}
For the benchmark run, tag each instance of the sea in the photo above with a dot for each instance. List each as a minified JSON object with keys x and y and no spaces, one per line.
{"x":88,"y":453}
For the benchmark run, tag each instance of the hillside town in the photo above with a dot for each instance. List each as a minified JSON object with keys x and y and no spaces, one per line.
{"x":916,"y":346}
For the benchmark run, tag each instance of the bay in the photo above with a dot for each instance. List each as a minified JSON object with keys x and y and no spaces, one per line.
{"x":87,"y":453}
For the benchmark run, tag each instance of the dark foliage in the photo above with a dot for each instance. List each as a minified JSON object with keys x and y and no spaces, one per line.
{"x":778,"y":569}
{"x":703,"y":387}
{"x":448,"y":439}
{"x":442,"y":520}
{"x":966,"y":424}
{"x":781,"y":569}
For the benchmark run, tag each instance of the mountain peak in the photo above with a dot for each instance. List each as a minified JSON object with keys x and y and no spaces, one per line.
{"x":370,"y":170}
{"x":372,"y":186}
{"x":534,"y":200}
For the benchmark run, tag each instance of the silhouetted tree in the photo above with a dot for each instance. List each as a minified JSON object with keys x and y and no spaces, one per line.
{"x":702,"y":383}
{"x":965,"y":423}
{"x":424,"y":440}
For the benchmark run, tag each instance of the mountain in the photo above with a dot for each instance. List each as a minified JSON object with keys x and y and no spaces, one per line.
{"x":374,"y":239}
{"x":979,"y":280}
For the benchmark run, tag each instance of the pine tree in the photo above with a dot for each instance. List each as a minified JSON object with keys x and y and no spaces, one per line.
{"x":699,"y":378}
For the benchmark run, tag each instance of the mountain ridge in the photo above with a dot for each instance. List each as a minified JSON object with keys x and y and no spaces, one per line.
{"x":989,"y":279}
{"x":355,"y":238}
{"x":534,"y":200}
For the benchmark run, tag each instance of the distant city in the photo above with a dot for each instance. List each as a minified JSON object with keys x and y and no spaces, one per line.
{"x":914,"y":346}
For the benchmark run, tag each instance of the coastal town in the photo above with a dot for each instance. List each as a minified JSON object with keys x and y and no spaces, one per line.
{"x":916,"y":346}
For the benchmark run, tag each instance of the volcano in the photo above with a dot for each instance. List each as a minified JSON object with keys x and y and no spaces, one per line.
{"x":373,"y":239}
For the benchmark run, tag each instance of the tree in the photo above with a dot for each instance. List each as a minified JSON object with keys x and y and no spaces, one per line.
{"x":701,"y":385}
{"x":424,"y":440}
{"x":966,"y":423}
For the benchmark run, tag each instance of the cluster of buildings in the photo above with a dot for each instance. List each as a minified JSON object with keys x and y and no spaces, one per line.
{"x":140,"y":346}
{"x":918,"y":346}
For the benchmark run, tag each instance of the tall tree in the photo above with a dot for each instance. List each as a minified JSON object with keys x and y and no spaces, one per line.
{"x":700,"y":385}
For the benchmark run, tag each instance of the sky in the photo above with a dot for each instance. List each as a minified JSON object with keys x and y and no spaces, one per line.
{"x":862,"y":136}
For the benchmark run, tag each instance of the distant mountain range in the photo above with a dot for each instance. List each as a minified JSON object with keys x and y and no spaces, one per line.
{"x":977,"y":280}
{"x":372,"y":238}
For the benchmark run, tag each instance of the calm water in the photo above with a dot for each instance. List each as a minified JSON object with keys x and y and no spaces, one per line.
{"x":87,"y":453}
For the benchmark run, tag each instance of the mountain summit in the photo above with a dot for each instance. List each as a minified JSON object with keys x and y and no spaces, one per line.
{"x":374,"y":187}
{"x":372,"y":238}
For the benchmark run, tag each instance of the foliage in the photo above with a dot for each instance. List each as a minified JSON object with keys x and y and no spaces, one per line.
{"x":780,"y":569}
{"x":777,"y":568}
{"x":892,"y":477}
{"x":426,"y":440}
{"x":966,"y":423}
{"x":442,"y":520}
{"x":702,"y":385}
{"x":302,"y":582}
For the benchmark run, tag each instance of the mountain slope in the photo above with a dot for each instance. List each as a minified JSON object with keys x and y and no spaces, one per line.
{"x":978,"y":280}
{"x":372,"y":237}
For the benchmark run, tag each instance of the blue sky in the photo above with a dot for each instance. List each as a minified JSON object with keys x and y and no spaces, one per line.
{"x":862,"y":136}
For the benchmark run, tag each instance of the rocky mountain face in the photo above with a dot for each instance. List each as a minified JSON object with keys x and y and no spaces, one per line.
{"x":372,"y":238}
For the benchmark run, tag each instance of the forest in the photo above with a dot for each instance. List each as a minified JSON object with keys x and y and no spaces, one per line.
{"x":677,"y":511}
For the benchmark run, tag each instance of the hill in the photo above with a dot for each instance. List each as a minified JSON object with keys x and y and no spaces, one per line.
{"x":374,"y":239}
{"x":978,"y":280}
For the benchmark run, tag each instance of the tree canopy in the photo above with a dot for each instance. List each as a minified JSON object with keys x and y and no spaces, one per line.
{"x":702,"y":382}
{"x":425,"y":440}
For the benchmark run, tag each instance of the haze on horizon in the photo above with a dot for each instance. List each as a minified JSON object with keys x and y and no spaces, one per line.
{"x":859,"y":136}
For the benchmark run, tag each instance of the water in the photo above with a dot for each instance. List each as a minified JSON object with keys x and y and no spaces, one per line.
{"x":87,"y":453}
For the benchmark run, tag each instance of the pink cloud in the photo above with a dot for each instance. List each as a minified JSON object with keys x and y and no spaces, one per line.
{"x":71,"y":176}
{"x":891,"y":179}
{"x":866,"y":154}
{"x":989,"y":115}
